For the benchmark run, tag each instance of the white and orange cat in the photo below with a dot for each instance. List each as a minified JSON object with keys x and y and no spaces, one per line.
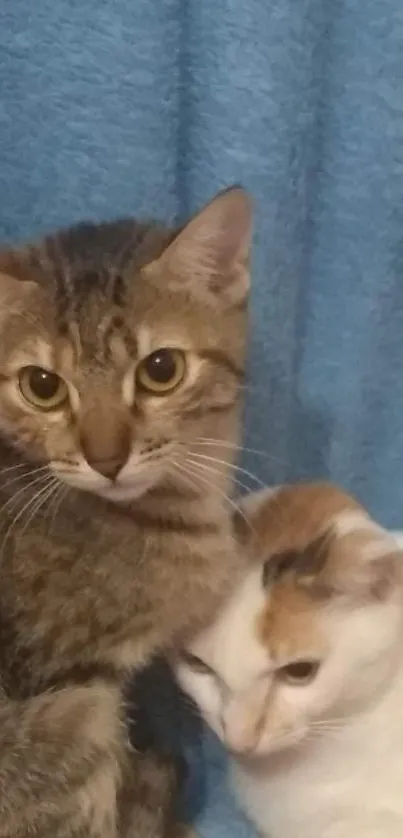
{"x":301,"y":675}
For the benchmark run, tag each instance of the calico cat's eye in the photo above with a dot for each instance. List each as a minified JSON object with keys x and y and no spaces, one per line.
{"x":299,"y":672}
{"x":41,"y":388}
{"x":162,"y":371}
{"x":195,"y":663}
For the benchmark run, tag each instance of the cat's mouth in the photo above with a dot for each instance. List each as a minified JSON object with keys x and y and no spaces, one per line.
{"x":119,"y":490}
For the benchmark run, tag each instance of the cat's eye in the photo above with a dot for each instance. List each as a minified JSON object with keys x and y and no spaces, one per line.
{"x":41,"y":388}
{"x":299,"y":672}
{"x":195,"y":663}
{"x":162,"y":371}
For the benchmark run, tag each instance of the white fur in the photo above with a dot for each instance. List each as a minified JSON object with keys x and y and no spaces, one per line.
{"x":335,"y":767}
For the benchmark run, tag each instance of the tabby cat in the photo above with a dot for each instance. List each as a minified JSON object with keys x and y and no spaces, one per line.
{"x":121,"y":367}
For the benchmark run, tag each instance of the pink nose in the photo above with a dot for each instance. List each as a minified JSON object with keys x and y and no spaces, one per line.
{"x":241,"y":735}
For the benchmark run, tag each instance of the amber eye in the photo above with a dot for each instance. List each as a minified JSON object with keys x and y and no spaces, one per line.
{"x":42,"y":388}
{"x":195,"y":663}
{"x":299,"y":672}
{"x":162,"y":371}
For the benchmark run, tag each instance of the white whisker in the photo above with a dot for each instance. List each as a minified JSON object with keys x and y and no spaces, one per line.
{"x":26,"y":507}
{"x":205,"y":440}
{"x":8,"y":505}
{"x":231,"y":466}
{"x":218,"y":472}
{"x":29,"y":473}
{"x":13,"y":468}
{"x":204,"y":480}
{"x":57,"y":500}
{"x":41,"y":497}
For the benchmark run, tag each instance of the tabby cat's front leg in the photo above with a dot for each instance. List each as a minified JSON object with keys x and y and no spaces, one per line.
{"x":59,"y":763}
{"x":147,"y":798}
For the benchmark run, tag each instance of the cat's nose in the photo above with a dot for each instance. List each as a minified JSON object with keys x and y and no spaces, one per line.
{"x":105,"y":445}
{"x":241,"y":738}
{"x":243,"y":719}
{"x":108,"y":468}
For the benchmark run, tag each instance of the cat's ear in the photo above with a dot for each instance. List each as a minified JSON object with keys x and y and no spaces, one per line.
{"x":362,"y":564}
{"x":16,"y":272}
{"x":16,"y":283}
{"x":371,"y":577}
{"x":212,"y":251}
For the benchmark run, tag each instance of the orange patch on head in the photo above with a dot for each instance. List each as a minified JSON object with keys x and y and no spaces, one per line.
{"x":288,"y":624}
{"x":317,"y":542}
{"x":295,"y":515}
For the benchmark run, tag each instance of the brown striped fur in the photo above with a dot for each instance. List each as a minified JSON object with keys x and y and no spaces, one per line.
{"x":94,"y":583}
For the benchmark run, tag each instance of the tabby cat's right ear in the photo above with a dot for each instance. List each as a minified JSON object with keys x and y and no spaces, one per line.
{"x":17,"y":284}
{"x":211,"y":253}
{"x":16,"y":274}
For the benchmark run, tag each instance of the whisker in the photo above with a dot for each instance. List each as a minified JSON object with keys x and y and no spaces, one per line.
{"x":231,"y":466}
{"x":24,"y":509}
{"x":205,"y":440}
{"x":41,"y":497}
{"x":13,"y":468}
{"x":29,"y":473}
{"x":185,"y":476}
{"x":215,"y":488}
{"x":57,"y":500}
{"x":211,"y":470}
{"x":8,"y":505}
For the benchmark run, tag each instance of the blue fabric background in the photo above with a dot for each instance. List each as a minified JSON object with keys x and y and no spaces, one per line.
{"x":111,"y":107}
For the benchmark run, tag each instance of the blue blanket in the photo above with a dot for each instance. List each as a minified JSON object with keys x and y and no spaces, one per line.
{"x":149,"y":106}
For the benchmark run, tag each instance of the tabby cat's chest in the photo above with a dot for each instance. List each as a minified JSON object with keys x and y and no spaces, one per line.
{"x":99,"y":589}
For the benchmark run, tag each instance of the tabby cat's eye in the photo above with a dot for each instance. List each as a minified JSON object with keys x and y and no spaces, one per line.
{"x":162,"y":371}
{"x":195,"y":663}
{"x":299,"y":672}
{"x":41,"y":388}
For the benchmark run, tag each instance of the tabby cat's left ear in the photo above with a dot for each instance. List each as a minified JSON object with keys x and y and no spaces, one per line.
{"x":212,"y":251}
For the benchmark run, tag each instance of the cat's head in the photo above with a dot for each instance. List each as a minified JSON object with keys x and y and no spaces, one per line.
{"x":122,"y":349}
{"x":311,"y":634}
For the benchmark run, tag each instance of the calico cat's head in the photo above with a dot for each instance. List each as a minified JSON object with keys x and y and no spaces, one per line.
{"x":122,"y":349}
{"x":311,"y":634}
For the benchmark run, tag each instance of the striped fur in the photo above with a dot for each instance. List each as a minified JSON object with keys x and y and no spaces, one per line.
{"x":102,"y":567}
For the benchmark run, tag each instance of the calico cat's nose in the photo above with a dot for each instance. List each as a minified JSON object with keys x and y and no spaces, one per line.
{"x":106,"y":446}
{"x":243,"y":719}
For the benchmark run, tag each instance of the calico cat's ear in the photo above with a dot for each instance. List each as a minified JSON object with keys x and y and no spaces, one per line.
{"x":367,"y":564}
{"x":362,"y":563}
{"x":212,"y":251}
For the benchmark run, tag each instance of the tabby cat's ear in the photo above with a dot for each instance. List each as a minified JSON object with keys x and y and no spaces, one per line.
{"x":13,"y":293}
{"x":16,"y":275}
{"x":212,"y":251}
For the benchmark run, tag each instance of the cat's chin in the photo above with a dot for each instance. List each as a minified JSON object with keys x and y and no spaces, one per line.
{"x":123,"y":494}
